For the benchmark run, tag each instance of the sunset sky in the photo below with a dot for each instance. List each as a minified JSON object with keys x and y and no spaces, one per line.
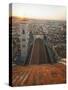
{"x":39,"y":11}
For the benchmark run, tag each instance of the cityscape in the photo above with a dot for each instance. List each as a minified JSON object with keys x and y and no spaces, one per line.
{"x":38,"y":34}
{"x":54,"y":30}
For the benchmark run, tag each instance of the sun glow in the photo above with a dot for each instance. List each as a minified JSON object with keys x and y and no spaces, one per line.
{"x":39,"y":11}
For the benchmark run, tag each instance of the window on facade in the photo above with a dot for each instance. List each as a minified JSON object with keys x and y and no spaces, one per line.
{"x":23,"y":39}
{"x":23,"y":32}
{"x":23,"y":45}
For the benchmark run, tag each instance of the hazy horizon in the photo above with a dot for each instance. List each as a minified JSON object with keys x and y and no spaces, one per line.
{"x":34,"y":11}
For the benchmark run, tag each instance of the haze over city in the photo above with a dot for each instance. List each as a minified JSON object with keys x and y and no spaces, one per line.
{"x":39,"y":11}
{"x":38,"y":44}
